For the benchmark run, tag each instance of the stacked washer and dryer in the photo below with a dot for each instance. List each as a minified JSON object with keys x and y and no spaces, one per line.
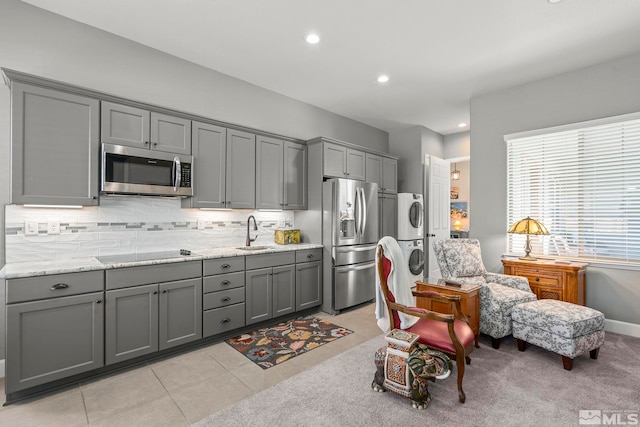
{"x":410,"y":233}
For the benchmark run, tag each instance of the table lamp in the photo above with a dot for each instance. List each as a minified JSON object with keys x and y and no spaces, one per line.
{"x":528,"y":226}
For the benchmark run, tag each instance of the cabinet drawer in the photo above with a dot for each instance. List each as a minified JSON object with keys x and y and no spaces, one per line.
{"x":223,"y":319}
{"x":540,"y":277}
{"x":223,"y":265}
{"x":307,"y":255}
{"x":270,"y":260}
{"x":148,"y":274}
{"x":223,"y":298}
{"x":55,"y":285}
{"x":223,"y":282}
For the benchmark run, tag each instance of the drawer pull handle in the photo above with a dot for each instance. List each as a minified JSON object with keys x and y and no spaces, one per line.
{"x":225,"y":320}
{"x":309,"y":256}
{"x":59,"y":286}
{"x":537,"y":279}
{"x":225,"y":283}
{"x":225,"y":266}
{"x":225,"y":299}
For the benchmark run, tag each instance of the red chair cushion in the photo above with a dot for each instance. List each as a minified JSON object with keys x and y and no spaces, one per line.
{"x":434,"y":333}
{"x":386,"y":270}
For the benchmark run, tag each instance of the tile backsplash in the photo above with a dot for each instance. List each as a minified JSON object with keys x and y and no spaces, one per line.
{"x":124,"y":225}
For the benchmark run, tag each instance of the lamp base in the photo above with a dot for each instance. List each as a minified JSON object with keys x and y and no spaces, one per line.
{"x":528,"y":258}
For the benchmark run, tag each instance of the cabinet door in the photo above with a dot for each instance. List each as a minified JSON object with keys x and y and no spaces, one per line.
{"x":170,"y":134}
{"x":308,"y":285}
{"x":269,"y":173}
{"x":295,"y":176}
{"x":334,"y":160}
{"x":180,"y":312}
{"x":241,"y":170}
{"x":284,"y":290}
{"x":388,"y":215}
{"x":259,"y":295}
{"x":389,"y":175}
{"x":52,"y":339}
{"x":131,"y":323}
{"x":209,"y":144}
{"x":124,"y":125}
{"x":374,"y":169}
{"x":355,"y":164}
{"x":55,"y":147}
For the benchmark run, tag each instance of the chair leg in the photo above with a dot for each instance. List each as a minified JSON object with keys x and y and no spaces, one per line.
{"x":495,"y":343}
{"x":594,"y":353}
{"x":567,"y":362}
{"x":460,"y":364}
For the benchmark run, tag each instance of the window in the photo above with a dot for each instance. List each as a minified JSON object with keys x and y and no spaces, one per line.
{"x":582,"y":181}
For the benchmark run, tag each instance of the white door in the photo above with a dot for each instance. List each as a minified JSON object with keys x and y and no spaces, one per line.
{"x":438,"y":210}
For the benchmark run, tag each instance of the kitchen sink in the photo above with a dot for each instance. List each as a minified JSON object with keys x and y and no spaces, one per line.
{"x":253,"y":248}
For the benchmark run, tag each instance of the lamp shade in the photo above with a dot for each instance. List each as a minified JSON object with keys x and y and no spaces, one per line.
{"x":528,"y":226}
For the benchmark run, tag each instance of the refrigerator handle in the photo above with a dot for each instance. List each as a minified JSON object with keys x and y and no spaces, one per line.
{"x":356,"y":212}
{"x":364,"y":211}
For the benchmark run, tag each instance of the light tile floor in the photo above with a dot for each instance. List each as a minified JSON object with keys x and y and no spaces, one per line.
{"x":180,"y":390}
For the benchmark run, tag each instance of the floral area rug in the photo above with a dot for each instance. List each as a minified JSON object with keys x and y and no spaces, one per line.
{"x":271,"y":346}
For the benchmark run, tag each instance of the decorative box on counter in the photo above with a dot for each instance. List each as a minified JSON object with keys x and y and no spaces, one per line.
{"x":286,"y":236}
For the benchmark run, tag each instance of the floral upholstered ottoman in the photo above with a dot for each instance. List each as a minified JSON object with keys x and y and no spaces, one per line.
{"x":564,"y":328}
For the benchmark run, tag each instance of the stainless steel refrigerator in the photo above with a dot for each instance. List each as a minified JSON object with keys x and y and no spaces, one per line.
{"x":350,"y":232}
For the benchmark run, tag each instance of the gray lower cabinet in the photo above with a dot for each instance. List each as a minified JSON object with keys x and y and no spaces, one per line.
{"x":152,"y":308}
{"x":308,"y":284}
{"x":270,"y":286}
{"x":144,"y":319}
{"x":51,"y":339}
{"x":55,"y":147}
{"x":223,"y":301}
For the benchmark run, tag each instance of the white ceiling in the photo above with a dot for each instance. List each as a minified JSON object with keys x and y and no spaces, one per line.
{"x":438,"y":53}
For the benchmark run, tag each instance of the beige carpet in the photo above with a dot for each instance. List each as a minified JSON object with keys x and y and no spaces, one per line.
{"x":504,"y":387}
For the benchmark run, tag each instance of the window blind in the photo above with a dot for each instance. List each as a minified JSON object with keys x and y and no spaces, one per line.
{"x":583,"y":183}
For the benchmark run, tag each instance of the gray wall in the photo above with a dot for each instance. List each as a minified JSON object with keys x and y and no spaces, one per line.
{"x":607,"y":89}
{"x":47,"y":45}
{"x":457,"y":145}
{"x":410,"y":145}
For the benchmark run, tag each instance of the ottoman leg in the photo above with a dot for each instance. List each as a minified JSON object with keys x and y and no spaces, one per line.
{"x":567,"y":362}
{"x":495,"y":343}
{"x":521,"y":344}
{"x":594,"y":353}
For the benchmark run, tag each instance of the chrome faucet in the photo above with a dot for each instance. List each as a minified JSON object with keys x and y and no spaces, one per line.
{"x":255,"y":228}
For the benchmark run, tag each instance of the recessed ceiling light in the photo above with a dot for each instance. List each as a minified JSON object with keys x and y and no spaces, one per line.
{"x":462,"y":125}
{"x":553,"y":1}
{"x":383,"y":78}
{"x":312,"y":38}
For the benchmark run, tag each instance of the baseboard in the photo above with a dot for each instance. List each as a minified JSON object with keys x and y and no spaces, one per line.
{"x":625,"y":328}
{"x":2,"y":368}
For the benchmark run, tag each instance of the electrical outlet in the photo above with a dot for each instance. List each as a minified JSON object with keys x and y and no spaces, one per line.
{"x":30,"y":228}
{"x":282,"y":223}
{"x":200,"y":224}
{"x":53,"y":227}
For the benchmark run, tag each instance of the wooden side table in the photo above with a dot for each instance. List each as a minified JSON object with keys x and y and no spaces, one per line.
{"x":549,"y":279}
{"x":469,"y":300}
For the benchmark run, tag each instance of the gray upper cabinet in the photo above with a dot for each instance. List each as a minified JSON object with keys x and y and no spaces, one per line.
{"x":281,"y":174}
{"x":136,"y":127}
{"x":295,"y":176}
{"x":209,"y":145}
{"x":241,"y":170}
{"x":55,"y":147}
{"x":383,"y":171}
{"x":388,"y":214}
{"x":343,"y":162}
{"x":389,"y":175}
{"x":269,"y":173}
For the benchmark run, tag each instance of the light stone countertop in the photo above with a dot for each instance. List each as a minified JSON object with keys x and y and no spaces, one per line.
{"x":76,"y":265}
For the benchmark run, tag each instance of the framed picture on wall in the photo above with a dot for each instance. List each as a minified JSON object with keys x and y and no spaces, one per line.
{"x":454,"y":192}
{"x":458,"y":210}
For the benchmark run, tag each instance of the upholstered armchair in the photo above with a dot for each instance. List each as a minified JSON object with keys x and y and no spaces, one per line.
{"x":461,"y":260}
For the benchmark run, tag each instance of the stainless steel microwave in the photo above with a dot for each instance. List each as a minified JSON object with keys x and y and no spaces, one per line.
{"x":128,"y":170}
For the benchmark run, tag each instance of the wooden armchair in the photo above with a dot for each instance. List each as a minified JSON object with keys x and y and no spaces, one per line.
{"x":449,"y":333}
